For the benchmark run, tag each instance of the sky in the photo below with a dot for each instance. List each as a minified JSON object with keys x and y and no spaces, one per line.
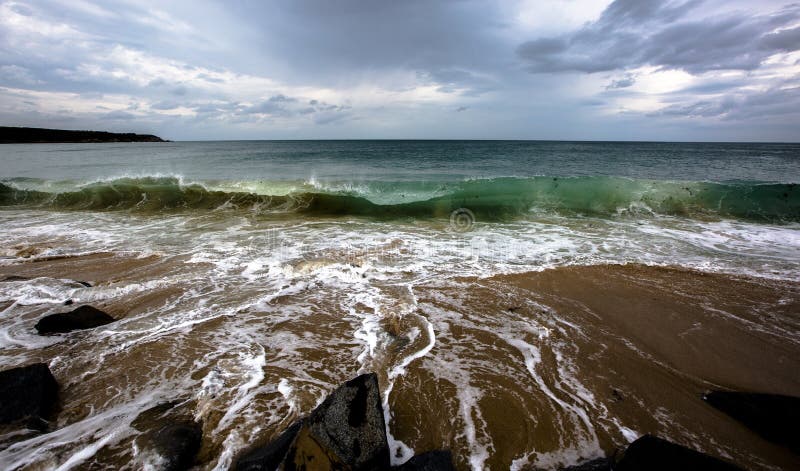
{"x":685,"y":70}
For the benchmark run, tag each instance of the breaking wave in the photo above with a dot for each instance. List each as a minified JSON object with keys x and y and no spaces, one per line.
{"x":489,"y":199}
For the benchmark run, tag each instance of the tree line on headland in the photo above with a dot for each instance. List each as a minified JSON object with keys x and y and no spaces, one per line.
{"x":20,"y":135}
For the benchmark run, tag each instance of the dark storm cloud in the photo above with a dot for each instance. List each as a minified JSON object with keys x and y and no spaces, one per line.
{"x":449,"y":41}
{"x":635,"y":33}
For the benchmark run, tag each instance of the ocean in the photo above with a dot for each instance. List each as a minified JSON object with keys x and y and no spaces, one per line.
{"x":529,"y":305}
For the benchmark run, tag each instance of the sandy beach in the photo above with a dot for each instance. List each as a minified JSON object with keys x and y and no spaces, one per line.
{"x":529,"y":371}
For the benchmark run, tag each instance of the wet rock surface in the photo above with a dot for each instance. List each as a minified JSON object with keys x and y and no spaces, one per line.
{"x":270,"y":456}
{"x":774,"y":417}
{"x":350,"y":424}
{"x":655,"y":454}
{"x":170,"y":435}
{"x":27,"y":393}
{"x":84,"y":317}
{"x":650,"y":453}
{"x":346,"y":431}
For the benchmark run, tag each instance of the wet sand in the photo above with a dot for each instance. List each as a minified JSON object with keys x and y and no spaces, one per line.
{"x":531,"y":371}
{"x":612,"y":352}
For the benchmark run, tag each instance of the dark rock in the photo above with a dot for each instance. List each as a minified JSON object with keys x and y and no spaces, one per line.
{"x":772,"y":416}
{"x":68,"y":302}
{"x":599,"y":464}
{"x":84,"y":283}
{"x":350,"y":424}
{"x":173,"y":436}
{"x":439,"y":460}
{"x":649,"y":453}
{"x":178,"y":445}
{"x":307,"y":453}
{"x":28,"y":392}
{"x":269,"y":457}
{"x":346,"y":431}
{"x":84,"y":317}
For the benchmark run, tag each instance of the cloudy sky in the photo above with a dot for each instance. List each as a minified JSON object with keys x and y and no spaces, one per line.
{"x":505,"y":69}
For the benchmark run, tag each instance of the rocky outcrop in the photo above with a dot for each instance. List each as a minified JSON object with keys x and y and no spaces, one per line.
{"x":170,"y":434}
{"x":346,"y":431}
{"x":350,"y":424}
{"x":28,"y":393}
{"x":774,"y":417}
{"x":650,"y":453}
{"x":84,"y":317}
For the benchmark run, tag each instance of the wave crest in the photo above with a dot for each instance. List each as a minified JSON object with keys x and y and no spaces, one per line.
{"x":489,"y":199}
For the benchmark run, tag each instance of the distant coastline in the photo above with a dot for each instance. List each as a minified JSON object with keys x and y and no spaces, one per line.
{"x":20,"y":135}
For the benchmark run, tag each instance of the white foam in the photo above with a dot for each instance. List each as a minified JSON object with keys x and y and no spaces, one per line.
{"x":254,"y":374}
{"x":287,"y":391}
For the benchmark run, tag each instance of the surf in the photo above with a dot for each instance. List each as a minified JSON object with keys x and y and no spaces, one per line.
{"x":493,"y":199}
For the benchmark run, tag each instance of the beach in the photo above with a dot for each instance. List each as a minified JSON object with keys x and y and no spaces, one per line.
{"x":529,"y":371}
{"x":528,"y":321}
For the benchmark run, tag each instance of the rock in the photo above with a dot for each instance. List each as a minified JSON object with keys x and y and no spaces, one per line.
{"x":772,"y":416}
{"x":84,"y":317}
{"x":178,"y":445}
{"x":27,"y":392}
{"x":599,"y":464}
{"x":68,"y":302}
{"x":350,"y":424}
{"x":346,"y":431}
{"x":307,"y":453}
{"x":649,"y":453}
{"x":173,"y":436}
{"x":439,"y":460}
{"x":268,"y":458}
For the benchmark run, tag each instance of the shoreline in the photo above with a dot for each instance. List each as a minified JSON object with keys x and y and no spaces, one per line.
{"x":578,"y":358}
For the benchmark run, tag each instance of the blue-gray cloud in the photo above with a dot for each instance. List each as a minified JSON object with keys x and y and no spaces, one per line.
{"x":635,"y":33}
{"x":627,"y":81}
{"x":766,"y":104}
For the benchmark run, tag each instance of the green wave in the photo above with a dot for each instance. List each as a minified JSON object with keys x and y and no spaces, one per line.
{"x":489,"y":199}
